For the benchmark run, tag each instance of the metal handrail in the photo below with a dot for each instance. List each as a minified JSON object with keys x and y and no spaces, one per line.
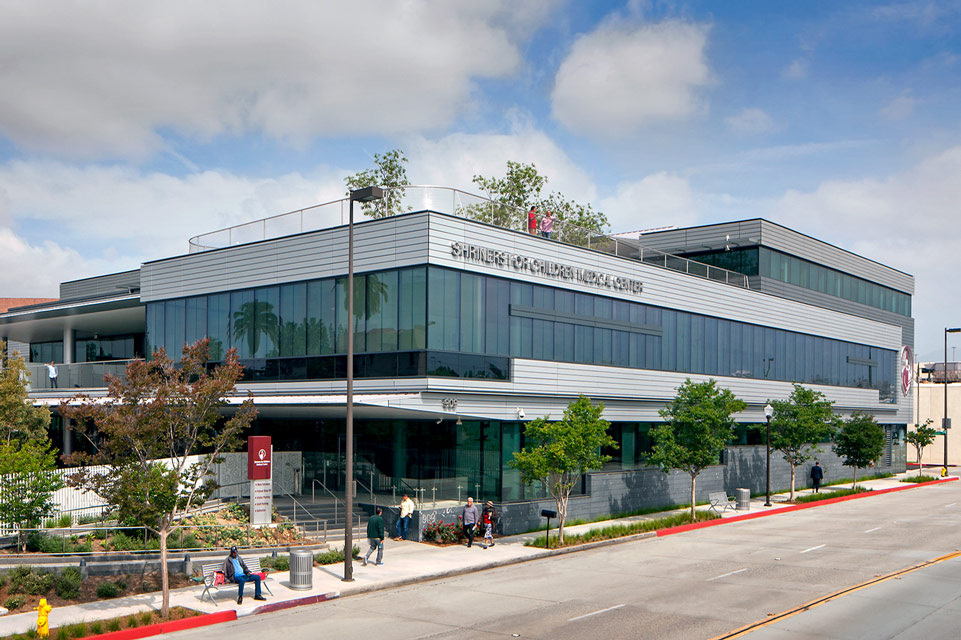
{"x":370,"y":489}
{"x":313,"y":497}
{"x":465,"y":205}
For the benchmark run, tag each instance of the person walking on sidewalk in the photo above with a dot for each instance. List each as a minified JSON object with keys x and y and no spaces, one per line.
{"x":817,"y":474}
{"x":403,"y":522}
{"x":469,"y":520}
{"x":488,"y":519}
{"x":375,"y":536}
{"x":235,"y":570}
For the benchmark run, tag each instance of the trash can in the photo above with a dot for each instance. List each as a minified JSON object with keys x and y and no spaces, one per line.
{"x":301,"y":570}
{"x":743,"y":499}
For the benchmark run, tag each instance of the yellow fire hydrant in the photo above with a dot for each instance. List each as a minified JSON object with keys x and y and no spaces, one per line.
{"x":944,"y":472}
{"x":43,"y":618}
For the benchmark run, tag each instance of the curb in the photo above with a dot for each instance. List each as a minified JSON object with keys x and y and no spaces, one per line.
{"x":797,"y":507}
{"x":168,"y":627}
{"x":290,"y":604}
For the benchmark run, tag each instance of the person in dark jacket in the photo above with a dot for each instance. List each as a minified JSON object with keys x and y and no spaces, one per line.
{"x":235,"y":570}
{"x":817,"y":474}
{"x":375,"y":536}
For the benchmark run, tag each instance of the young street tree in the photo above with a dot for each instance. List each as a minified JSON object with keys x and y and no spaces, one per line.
{"x":860,"y":442}
{"x":388,"y":172}
{"x":697,"y":427}
{"x":922,"y":436}
{"x":27,"y":459}
{"x":559,"y":453}
{"x":799,"y":423}
{"x":149,"y":427}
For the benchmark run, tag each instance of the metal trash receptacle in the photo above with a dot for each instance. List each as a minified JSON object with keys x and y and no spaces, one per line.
{"x":743,"y":499}
{"x":301,"y":570}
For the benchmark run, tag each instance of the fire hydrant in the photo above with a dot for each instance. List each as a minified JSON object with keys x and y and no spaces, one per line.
{"x":43,"y":618}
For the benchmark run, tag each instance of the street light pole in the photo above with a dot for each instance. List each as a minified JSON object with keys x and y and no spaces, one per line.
{"x":367,"y":194}
{"x":768,"y":413}
{"x":946,"y":422}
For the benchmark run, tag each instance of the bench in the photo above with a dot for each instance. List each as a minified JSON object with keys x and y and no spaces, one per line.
{"x":209,"y":572}
{"x":722,"y":500}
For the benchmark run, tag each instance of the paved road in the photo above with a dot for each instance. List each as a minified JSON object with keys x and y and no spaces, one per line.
{"x":700,"y":584}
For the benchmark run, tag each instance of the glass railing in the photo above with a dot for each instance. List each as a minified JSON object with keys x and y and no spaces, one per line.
{"x":80,"y":375}
{"x":459,"y":203}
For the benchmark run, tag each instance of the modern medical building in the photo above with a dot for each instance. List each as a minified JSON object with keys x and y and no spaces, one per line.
{"x":464,"y":330}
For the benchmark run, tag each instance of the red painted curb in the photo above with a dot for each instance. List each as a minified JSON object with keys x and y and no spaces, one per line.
{"x":795,"y":507}
{"x":167,"y":627}
{"x":290,"y":604}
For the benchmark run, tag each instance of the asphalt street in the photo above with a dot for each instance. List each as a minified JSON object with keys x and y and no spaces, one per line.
{"x":700,"y":584}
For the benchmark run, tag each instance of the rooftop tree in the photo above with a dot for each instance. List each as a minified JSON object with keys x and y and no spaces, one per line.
{"x":860,"y":442}
{"x":151,"y":424}
{"x":559,"y":453}
{"x":799,"y":423}
{"x":388,"y":172}
{"x":697,"y":426}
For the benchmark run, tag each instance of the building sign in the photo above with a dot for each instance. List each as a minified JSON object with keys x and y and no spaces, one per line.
{"x":907,"y":369}
{"x":259,"y":452}
{"x":540,"y":267}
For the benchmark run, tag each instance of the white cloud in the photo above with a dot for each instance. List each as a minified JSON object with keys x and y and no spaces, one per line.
{"x":36,"y":271}
{"x":908,"y":221}
{"x":113,"y":77}
{"x":796,"y":70}
{"x":657,"y":200}
{"x":750,"y":121}
{"x":617,"y":79}
{"x":899,"y":108}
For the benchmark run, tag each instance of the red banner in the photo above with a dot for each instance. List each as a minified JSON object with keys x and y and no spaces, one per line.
{"x":258,"y":458}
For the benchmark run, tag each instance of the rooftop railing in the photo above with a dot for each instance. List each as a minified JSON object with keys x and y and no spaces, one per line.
{"x":400,"y":200}
{"x":78,"y":375}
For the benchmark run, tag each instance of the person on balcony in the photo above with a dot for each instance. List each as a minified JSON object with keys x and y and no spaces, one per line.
{"x":52,"y":373}
{"x":532,"y":221}
{"x":547,"y":224}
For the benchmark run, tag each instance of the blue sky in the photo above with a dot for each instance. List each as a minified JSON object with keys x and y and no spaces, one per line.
{"x":127,"y":128}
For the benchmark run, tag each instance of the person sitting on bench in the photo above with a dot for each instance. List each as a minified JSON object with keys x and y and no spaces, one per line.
{"x":235,"y":570}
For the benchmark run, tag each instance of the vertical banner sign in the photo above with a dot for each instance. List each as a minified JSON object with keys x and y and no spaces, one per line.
{"x":907,"y":369}
{"x":259,"y":452}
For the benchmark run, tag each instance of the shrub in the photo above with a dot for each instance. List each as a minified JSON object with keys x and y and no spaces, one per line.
{"x":837,"y":493}
{"x":621,"y":530}
{"x":280,"y":563}
{"x":96,"y":628}
{"x":121,"y":585}
{"x":132,"y":622}
{"x":445,"y":533}
{"x":120,"y":541}
{"x":77,"y":629}
{"x":63,"y":633}
{"x":107,"y":590}
{"x":25,"y":579}
{"x":918,"y":479}
{"x":13,"y":602}
{"x":113,"y":625}
{"x":67,"y":584}
{"x":333,"y":556}
{"x":146,"y":617}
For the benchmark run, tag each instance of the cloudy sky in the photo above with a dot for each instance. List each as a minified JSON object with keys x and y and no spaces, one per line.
{"x":126,"y":128}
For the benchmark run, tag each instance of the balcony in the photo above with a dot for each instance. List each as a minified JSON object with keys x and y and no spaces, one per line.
{"x":80,"y":375}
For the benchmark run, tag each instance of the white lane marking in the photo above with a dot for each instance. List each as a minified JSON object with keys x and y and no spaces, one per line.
{"x":950,"y":505}
{"x":874,"y":529}
{"x":727,"y":574}
{"x":814,"y":548}
{"x":588,"y":615}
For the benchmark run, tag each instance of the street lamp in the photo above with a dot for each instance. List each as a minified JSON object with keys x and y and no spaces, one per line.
{"x":768,"y":413}
{"x":946,"y":422}
{"x":367,"y":194}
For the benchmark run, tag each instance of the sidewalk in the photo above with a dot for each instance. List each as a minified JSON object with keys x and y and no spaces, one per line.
{"x":404,"y":563}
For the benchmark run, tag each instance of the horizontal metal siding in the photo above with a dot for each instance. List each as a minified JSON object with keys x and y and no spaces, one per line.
{"x":381,"y":244}
{"x":662,"y":287}
{"x":115,"y":283}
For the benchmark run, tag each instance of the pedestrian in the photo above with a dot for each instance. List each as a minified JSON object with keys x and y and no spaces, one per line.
{"x":52,"y":373}
{"x":403,"y":522}
{"x":489,"y":519}
{"x":375,"y":536}
{"x":532,"y":220}
{"x":547,"y":225}
{"x":817,"y":474}
{"x":235,"y":570}
{"x":469,"y":520}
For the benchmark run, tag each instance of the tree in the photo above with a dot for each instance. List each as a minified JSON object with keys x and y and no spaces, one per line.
{"x":26,"y":457}
{"x":860,"y":442}
{"x":799,"y":423}
{"x":19,"y":419}
{"x":388,"y":172}
{"x":151,"y":423}
{"x":520,"y":188}
{"x":559,"y":453}
{"x":697,"y":427}
{"x":27,"y":484}
{"x":921,"y":437}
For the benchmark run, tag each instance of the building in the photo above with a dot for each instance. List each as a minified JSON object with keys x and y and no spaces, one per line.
{"x":930,"y":397}
{"x":464,"y":330}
